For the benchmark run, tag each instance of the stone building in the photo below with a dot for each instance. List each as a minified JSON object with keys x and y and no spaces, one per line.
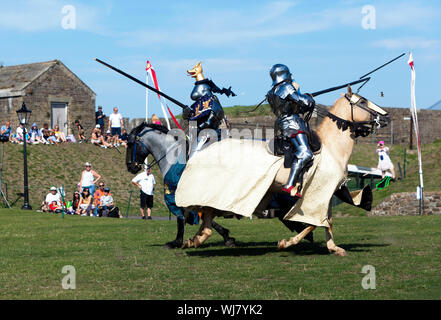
{"x":53,"y":93}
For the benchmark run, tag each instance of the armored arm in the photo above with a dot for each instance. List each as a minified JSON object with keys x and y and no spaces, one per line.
{"x":210,"y":122}
{"x":187,"y":113}
{"x":305,"y":101}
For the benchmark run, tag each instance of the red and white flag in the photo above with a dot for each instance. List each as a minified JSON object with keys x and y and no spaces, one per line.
{"x":150,"y":71}
{"x":414,"y":113}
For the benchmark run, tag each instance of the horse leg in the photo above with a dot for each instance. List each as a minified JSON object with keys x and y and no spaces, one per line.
{"x":283,"y":244}
{"x":177,"y":243}
{"x":332,"y":247}
{"x":224,"y":232}
{"x":190,"y":242}
{"x":206,"y":232}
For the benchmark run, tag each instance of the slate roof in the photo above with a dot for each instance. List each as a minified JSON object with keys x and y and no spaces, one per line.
{"x":14,"y":79}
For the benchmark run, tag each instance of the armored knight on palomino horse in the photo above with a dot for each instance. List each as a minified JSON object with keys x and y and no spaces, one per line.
{"x":287,"y":104}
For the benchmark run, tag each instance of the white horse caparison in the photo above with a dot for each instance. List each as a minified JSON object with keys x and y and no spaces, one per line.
{"x":341,"y":142}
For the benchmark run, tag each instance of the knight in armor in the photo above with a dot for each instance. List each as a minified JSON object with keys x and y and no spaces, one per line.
{"x":288,"y":104}
{"x":206,"y":110}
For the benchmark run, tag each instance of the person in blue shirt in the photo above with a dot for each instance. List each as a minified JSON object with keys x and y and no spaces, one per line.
{"x":99,"y":118}
{"x":5,"y":132}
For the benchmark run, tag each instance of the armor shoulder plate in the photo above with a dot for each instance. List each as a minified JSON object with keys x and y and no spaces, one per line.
{"x":200,"y":90}
{"x":285,"y":89}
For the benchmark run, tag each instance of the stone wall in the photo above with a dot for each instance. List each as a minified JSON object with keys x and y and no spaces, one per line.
{"x":58,"y":84}
{"x":406,"y":203}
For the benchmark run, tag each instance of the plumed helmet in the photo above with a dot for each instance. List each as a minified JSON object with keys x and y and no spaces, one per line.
{"x":279,"y":72}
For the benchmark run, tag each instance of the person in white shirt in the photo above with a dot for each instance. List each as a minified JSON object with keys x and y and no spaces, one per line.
{"x":145,"y":181}
{"x":105,"y":203}
{"x":53,"y":195}
{"x":87,"y":179}
{"x":116,"y":124}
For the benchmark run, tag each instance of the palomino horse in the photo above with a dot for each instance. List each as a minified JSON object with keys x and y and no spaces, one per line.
{"x":154,"y":139}
{"x":351,"y":116}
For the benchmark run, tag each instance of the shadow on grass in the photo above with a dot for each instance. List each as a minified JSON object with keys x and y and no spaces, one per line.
{"x":267,"y":247}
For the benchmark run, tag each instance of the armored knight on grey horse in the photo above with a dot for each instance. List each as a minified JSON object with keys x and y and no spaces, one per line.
{"x":206,"y":111}
{"x":288,"y":103}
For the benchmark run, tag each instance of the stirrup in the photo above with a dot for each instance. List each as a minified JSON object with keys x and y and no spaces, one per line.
{"x":288,"y":190}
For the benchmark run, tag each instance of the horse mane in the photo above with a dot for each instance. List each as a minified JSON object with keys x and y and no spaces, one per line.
{"x":144,"y":125}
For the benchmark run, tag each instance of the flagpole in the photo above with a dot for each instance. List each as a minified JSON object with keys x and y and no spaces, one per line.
{"x":147,"y":97}
{"x":417,"y":133}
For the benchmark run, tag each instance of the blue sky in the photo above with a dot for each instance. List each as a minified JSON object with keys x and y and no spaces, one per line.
{"x":323,"y":42}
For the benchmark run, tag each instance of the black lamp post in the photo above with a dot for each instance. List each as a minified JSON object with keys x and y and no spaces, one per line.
{"x":23,"y":116}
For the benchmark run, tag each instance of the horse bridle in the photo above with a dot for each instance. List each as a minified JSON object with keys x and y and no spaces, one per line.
{"x":359,"y":128}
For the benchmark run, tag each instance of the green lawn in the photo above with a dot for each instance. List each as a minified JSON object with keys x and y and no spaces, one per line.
{"x":124,"y":259}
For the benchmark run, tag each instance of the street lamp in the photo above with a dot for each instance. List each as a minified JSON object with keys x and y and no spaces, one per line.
{"x":23,"y":116}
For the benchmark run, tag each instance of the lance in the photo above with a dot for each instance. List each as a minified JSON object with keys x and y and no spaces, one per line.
{"x":143,"y":84}
{"x":317,"y":93}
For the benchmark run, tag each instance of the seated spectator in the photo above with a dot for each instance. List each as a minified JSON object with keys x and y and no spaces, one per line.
{"x":81,"y":136}
{"x":5,"y":132}
{"x":45,"y":132}
{"x":55,"y":207}
{"x":18,"y":136}
{"x":59,"y":134}
{"x":108,"y":138}
{"x":124,"y":138}
{"x":97,"y":196}
{"x":105,"y":203}
{"x":86,"y":203}
{"x":52,"y":139}
{"x":97,"y":139}
{"x":36,"y":134}
{"x":75,"y":204}
{"x":155,"y":119}
{"x":52,"y":196}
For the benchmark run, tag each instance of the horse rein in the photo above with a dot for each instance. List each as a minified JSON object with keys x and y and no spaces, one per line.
{"x":359,"y":128}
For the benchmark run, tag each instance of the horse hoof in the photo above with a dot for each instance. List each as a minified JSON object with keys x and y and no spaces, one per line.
{"x":187,"y":244}
{"x":341,"y":253}
{"x":281,"y":244}
{"x":230,"y":243}
{"x":173,"y":244}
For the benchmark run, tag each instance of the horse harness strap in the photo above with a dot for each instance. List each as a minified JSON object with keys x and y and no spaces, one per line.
{"x":359,"y":128}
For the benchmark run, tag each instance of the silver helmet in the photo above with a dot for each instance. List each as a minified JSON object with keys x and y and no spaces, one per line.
{"x":279,"y":72}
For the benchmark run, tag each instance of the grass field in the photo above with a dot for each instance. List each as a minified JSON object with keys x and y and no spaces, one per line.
{"x":124,"y":259}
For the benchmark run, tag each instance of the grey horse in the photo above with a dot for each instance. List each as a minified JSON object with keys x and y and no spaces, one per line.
{"x":167,"y":148}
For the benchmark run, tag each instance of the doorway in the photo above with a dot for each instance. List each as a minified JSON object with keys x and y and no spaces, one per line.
{"x":59,"y":115}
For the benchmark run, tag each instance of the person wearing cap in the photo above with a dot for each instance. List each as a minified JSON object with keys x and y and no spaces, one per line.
{"x":52,"y":196}
{"x":105,"y":203}
{"x":99,"y":118}
{"x":384,"y":162}
{"x":87,"y":179}
{"x":145,"y":181}
{"x":5,"y":132}
{"x":98,"y":139}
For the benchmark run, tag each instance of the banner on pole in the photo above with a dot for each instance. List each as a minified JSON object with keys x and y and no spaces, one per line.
{"x":150,"y":71}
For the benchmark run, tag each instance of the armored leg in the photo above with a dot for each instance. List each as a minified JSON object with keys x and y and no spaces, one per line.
{"x":303,"y":155}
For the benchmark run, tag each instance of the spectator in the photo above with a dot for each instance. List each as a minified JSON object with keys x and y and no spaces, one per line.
{"x":99,"y":118}
{"x":5,"y":132}
{"x":59,"y":134}
{"x":105,"y":203}
{"x":384,"y":162}
{"x":46,"y":132}
{"x":55,"y":207}
{"x":86,"y":203}
{"x":87,"y":179}
{"x":52,"y":196}
{"x":52,"y":139}
{"x":36,"y":134}
{"x":145,"y":181}
{"x":116,"y":124}
{"x":19,"y":133}
{"x":155,"y":119}
{"x":76,"y":202}
{"x":97,"y":195}
{"x":124,"y":138}
{"x":108,"y":137}
{"x":81,"y":136}
{"x":97,"y":139}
